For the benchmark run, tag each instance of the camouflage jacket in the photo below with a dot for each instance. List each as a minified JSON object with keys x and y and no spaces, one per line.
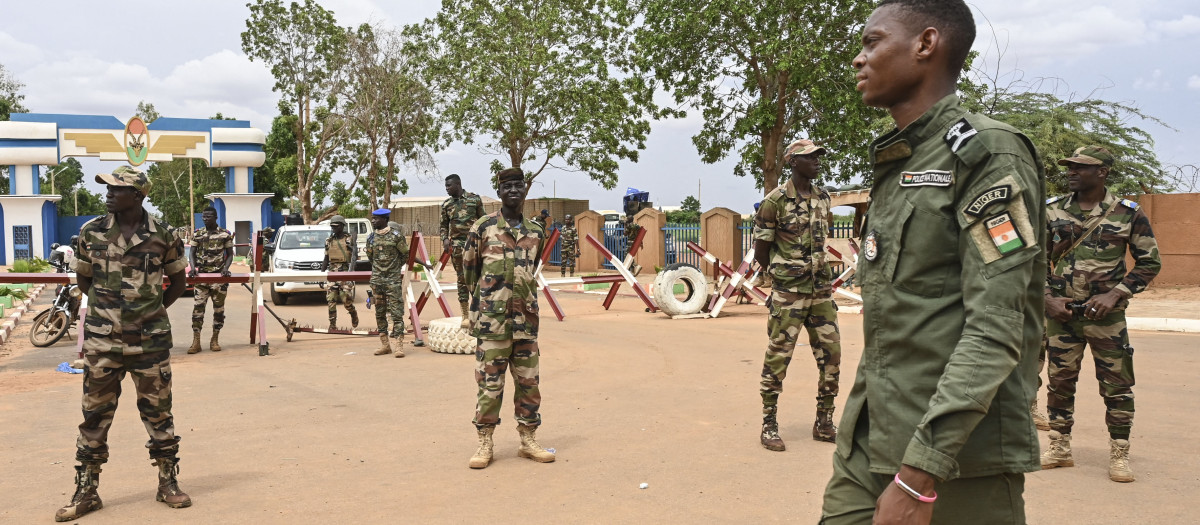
{"x":570,"y":240}
{"x":341,"y":249}
{"x":1097,"y":265}
{"x":127,"y":284}
{"x":541,"y":222}
{"x":388,"y":251}
{"x":458,"y":215}
{"x":209,"y":249}
{"x":499,"y":262}
{"x":631,"y":228}
{"x":796,"y":228}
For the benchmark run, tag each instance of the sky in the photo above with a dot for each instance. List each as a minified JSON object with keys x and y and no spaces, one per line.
{"x":85,"y":57}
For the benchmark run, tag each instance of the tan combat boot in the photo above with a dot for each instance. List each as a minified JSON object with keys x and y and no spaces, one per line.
{"x":386,"y":348}
{"x":483,"y":456}
{"x":1058,"y":454}
{"x":530,"y":447}
{"x":354,"y":318}
{"x":1039,"y":419}
{"x":466,"y":319}
{"x":770,"y":435}
{"x":823,"y":427}
{"x":85,"y":500}
{"x":1118,"y":461}
{"x":195,"y":348}
{"x":398,"y":345}
{"x":213,"y":345}
{"x":168,"y":486}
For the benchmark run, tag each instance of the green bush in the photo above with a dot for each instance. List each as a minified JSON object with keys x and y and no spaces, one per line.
{"x":34,"y":265}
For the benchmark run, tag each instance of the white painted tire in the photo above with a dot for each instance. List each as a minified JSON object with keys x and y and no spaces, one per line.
{"x":446,"y":337}
{"x":693,"y":281}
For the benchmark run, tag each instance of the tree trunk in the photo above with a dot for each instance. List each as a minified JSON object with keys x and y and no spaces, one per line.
{"x":770,"y":165}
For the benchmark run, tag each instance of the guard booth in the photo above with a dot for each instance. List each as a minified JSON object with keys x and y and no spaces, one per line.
{"x":29,"y":220}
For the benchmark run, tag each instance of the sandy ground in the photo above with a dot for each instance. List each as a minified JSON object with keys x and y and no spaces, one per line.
{"x":322,"y":431}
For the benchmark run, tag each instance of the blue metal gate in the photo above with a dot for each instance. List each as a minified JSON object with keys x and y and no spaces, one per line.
{"x":614,"y":240}
{"x":676,"y":236}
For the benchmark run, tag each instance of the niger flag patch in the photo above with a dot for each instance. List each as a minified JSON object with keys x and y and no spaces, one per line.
{"x":1006,"y":237}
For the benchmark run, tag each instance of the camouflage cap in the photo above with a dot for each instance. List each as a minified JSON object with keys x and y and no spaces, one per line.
{"x":802,"y":147}
{"x":337,"y":219}
{"x":126,"y":176}
{"x":510,"y":174}
{"x":1090,"y":155}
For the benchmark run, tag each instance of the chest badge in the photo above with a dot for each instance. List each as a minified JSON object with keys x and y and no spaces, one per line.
{"x":1006,"y":237}
{"x":871,"y":246}
{"x":926,"y":178}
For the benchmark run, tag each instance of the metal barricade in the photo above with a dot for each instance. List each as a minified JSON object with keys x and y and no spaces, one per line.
{"x":676,"y":236}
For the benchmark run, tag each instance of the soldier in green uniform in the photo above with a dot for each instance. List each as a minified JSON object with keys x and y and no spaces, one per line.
{"x":1087,"y":292}
{"x":212,"y":252}
{"x":123,"y":258}
{"x":459,"y":212}
{"x":936,"y":428}
{"x":340,"y":254}
{"x":543,"y":220}
{"x":500,"y":257}
{"x":570,"y":245}
{"x":388,"y":252}
{"x":789,"y":245}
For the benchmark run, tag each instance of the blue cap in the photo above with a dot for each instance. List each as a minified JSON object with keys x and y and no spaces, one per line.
{"x":383,"y":212}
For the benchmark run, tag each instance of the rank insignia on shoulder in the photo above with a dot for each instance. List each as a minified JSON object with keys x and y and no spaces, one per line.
{"x":985,"y":199}
{"x":1055,"y":199}
{"x":871,"y":246}
{"x":1130,"y":204}
{"x":1001,"y":229}
{"x":926,"y":178}
{"x":959,"y":134}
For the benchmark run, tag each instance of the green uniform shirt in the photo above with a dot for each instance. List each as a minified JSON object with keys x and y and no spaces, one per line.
{"x":1097,"y":264}
{"x":499,"y":262}
{"x":127,"y":284}
{"x":210,"y":249}
{"x":951,"y":272}
{"x":458,"y":215}
{"x":796,"y":228}
{"x":388,"y":252}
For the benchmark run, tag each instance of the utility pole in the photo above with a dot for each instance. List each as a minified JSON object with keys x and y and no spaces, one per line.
{"x":191,"y":198}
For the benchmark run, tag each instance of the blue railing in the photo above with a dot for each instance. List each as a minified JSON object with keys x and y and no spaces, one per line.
{"x":556,"y":250}
{"x":675,"y":238}
{"x":838,"y":230}
{"x":614,"y":240}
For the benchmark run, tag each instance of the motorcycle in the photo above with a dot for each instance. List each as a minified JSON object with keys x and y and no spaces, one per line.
{"x":53,"y":323}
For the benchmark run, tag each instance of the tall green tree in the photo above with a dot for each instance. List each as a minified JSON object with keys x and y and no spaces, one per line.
{"x":762,"y":74}
{"x":304,"y":48}
{"x":391,"y":114}
{"x":67,"y":179}
{"x":10,"y":94}
{"x":1058,"y":124}
{"x":541,"y":83}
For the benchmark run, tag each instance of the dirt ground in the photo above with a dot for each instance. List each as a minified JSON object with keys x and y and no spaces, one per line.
{"x":322,"y":431}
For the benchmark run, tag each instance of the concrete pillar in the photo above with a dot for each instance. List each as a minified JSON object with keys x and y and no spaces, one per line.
{"x":590,"y":259}
{"x":653,"y":252}
{"x":719,"y":236}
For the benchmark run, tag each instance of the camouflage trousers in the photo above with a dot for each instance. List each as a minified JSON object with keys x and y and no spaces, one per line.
{"x":389,"y":301}
{"x":1113,"y":357}
{"x":339,"y":293}
{"x":456,"y":259}
{"x":493,"y":358}
{"x":791,"y":312}
{"x":568,"y":263}
{"x":101,"y":390}
{"x":203,"y":292}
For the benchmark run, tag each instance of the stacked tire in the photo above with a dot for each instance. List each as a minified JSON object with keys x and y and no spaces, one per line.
{"x":447,"y":337}
{"x":695,"y":287}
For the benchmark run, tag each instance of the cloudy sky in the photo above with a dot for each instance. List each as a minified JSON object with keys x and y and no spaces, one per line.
{"x":185,"y":57}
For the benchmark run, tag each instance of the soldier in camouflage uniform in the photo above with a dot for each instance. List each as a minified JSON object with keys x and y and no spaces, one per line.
{"x":543,"y":220}
{"x":1087,"y":292}
{"x":123,"y":258}
{"x":340,"y":254}
{"x":388,"y":252}
{"x":500,"y":257}
{"x":212,"y":252}
{"x":789,"y":245}
{"x":459,"y":212}
{"x":570,"y":245}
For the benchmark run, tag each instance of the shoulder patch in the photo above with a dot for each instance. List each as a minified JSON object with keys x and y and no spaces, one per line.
{"x":1006,"y":237}
{"x":1002,"y":193}
{"x":1055,"y":199}
{"x":959,"y":134}
{"x":1130,"y":204}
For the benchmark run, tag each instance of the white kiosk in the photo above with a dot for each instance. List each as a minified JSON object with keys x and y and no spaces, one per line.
{"x":28,"y":220}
